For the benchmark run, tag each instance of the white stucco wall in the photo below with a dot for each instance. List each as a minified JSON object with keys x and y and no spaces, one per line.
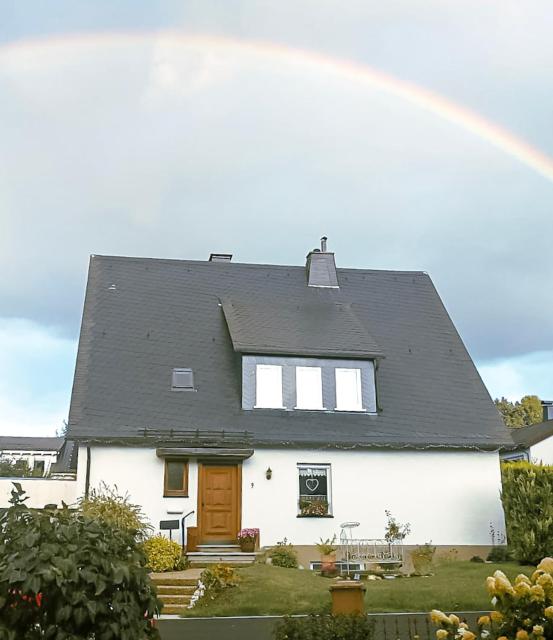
{"x":41,"y":491}
{"x":542,"y":452}
{"x":449,"y":497}
{"x":139,"y":472}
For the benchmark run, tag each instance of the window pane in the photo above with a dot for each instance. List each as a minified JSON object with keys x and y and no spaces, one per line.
{"x":348,"y":390}
{"x":309,"y":388}
{"x":269,"y":386}
{"x":313,"y":491}
{"x":175,"y":475}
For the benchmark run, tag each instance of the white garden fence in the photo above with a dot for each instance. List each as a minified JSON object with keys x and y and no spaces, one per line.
{"x":366,"y":551}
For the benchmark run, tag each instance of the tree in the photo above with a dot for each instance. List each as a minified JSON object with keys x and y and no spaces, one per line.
{"x":519,"y":414}
{"x":66,"y":576}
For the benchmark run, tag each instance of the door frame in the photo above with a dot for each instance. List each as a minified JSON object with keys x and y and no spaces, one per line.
{"x":237,"y":498}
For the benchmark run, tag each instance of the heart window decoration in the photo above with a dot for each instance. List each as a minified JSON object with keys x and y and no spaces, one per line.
{"x":312,"y":484}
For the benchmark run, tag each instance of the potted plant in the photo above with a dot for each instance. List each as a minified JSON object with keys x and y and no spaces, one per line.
{"x":247,"y":539}
{"x":313,"y":507}
{"x":328,"y":555}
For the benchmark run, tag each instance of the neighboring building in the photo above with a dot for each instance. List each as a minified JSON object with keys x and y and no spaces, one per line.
{"x":533,"y":442}
{"x":40,"y":454}
{"x":53,"y":462}
{"x":286,"y":398}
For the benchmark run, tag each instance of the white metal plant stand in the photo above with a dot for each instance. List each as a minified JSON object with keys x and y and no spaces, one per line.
{"x":366,"y":551}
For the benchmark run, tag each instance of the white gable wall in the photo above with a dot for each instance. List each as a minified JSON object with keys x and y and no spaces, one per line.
{"x":449,"y":497}
{"x":543,"y":451}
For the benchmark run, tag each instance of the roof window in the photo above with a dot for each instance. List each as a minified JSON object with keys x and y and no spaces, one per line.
{"x":183,"y":380}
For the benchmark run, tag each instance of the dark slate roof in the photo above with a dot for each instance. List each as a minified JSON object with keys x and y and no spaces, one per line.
{"x":22,"y":443}
{"x":67,"y":460}
{"x":324,"y":329}
{"x":524,"y":437}
{"x":144,"y":317}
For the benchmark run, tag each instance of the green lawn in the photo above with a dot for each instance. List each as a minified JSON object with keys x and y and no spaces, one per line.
{"x":267,"y":590}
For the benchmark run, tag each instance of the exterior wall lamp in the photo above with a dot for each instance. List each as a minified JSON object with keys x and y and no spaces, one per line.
{"x":269,"y":473}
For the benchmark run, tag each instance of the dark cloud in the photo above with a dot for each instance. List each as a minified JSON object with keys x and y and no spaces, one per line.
{"x":148,"y":149}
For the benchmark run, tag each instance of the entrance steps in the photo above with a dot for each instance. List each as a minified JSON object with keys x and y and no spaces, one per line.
{"x":208,"y":554}
{"x":175,"y":589}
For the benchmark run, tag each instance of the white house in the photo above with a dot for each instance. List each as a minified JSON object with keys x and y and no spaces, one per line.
{"x":288,"y":398}
{"x":533,"y":442}
{"x":53,"y":464}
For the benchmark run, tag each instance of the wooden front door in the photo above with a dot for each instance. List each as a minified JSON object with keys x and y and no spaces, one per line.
{"x":219,"y":503}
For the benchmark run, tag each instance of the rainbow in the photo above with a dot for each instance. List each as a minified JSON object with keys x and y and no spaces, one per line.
{"x":356,"y":72}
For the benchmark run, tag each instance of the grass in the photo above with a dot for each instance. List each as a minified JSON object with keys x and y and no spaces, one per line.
{"x":268,"y":590}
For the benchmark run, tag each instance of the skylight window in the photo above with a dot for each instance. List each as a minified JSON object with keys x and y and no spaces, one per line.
{"x":309,"y":388}
{"x":183,"y":379}
{"x":268,"y":386}
{"x":348,"y":390}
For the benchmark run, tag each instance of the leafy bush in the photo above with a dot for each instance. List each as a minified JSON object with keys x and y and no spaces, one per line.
{"x":64,"y":575}
{"x":422,"y":557}
{"x":106,"y":505}
{"x":522,"y":610}
{"x":499,"y":554}
{"x":395,"y":531}
{"x":217,"y":578}
{"x":17,"y":469}
{"x":527,"y":498}
{"x":284,"y":555}
{"x":325,"y":627}
{"x":163,"y":554}
{"x":477,"y":559}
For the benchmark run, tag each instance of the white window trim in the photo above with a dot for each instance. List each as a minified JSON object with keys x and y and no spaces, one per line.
{"x":266,"y":367}
{"x":319,"y":391}
{"x":328,"y":468}
{"x":358,"y":408}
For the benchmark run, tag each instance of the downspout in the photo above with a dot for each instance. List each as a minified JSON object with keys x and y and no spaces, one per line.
{"x":87,"y":479}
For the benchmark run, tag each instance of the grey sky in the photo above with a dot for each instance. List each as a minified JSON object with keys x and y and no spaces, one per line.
{"x":139,"y":147}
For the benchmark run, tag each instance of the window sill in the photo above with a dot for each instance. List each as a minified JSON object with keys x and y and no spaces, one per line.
{"x":275,"y":408}
{"x":175,"y":495}
{"x":313,"y":516}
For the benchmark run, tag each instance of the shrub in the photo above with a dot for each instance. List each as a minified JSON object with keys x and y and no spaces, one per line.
{"x":522,"y":610}
{"x":499,"y":554}
{"x":422,"y":557}
{"x":395,"y":531}
{"x":477,"y":559}
{"x":106,"y":505}
{"x":284,"y":555}
{"x":217,"y":578}
{"x":325,"y":627}
{"x":163,"y":554}
{"x":527,"y":498}
{"x":64,"y":575}
{"x":17,"y":469}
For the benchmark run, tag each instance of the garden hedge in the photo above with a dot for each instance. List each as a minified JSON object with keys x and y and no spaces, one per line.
{"x":527,"y":498}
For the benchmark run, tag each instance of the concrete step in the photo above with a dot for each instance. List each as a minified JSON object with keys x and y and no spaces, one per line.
{"x":160,"y":581}
{"x":198,"y":558}
{"x":218,"y":548}
{"x":174,"y":609}
{"x":179,"y":590}
{"x":170,"y":600}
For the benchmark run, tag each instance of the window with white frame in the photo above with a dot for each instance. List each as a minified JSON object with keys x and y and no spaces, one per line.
{"x":349,"y":395}
{"x":309,"y":388}
{"x":314,"y":490}
{"x":268,"y":391}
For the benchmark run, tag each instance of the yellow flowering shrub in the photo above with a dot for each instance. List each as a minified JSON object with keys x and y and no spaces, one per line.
{"x":523,"y":609}
{"x":163,"y":554}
